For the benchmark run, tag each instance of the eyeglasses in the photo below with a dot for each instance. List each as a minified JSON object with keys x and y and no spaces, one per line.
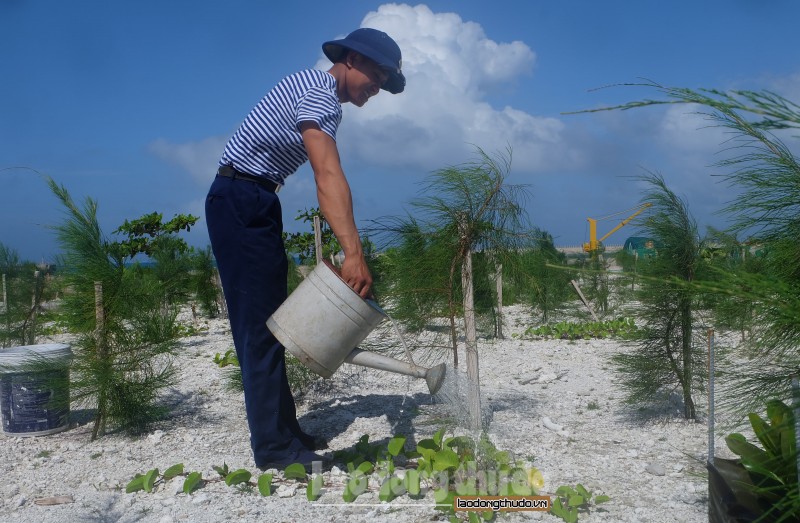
{"x":382,"y":76}
{"x":374,"y":71}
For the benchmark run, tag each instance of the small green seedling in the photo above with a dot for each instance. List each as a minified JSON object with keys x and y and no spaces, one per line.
{"x":265,"y":484}
{"x":569,"y":502}
{"x":238,"y":476}
{"x":314,"y":488}
{"x":192,"y":482}
{"x":295,"y":471}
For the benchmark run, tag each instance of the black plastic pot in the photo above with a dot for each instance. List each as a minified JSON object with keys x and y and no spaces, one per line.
{"x":730,"y":498}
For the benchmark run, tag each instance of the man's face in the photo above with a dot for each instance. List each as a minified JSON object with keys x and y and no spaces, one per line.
{"x":365,"y":78}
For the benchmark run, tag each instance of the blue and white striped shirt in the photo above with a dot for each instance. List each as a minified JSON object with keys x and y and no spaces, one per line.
{"x":269,"y":143}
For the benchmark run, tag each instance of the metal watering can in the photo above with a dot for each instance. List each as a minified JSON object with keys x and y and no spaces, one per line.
{"x":322,"y":322}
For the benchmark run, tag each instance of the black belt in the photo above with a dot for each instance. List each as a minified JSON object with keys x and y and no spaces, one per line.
{"x":230,"y":172}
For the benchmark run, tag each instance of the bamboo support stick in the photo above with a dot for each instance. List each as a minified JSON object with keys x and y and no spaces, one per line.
{"x":5,"y":304}
{"x":796,"y":409}
{"x":711,"y":396}
{"x":223,"y":305}
{"x":499,"y":288}
{"x":99,"y":333}
{"x":584,"y":300}
{"x":99,"y":316}
{"x":318,"y":239}
{"x":471,"y":341}
{"x":31,"y":338}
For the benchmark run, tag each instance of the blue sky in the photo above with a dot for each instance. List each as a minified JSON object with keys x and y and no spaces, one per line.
{"x":131,"y":103}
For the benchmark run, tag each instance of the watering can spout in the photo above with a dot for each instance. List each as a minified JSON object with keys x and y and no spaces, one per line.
{"x":433,"y":377}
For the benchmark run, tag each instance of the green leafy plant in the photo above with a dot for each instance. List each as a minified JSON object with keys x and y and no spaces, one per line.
{"x":125,"y":331}
{"x":229,"y":358}
{"x":203,"y":281}
{"x":238,"y":476}
{"x":194,"y":480}
{"x":144,"y":234}
{"x":543,"y":280}
{"x":571,"y":501}
{"x":173,"y":471}
{"x":26,"y":287}
{"x":445,"y":466}
{"x":463,"y":209}
{"x":223,"y":471}
{"x":764,"y":171}
{"x":184,"y":330}
{"x":441,"y":466}
{"x":299,"y":376}
{"x":773,"y":466}
{"x":460,"y":466}
{"x":303,"y":243}
{"x":314,"y":487}
{"x":264,"y":484}
{"x":666,"y":354}
{"x":295,"y":471}
{"x":174,"y":268}
{"x":624,"y":328}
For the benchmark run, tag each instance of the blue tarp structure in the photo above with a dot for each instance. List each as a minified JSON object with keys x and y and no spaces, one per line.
{"x":640,"y":245}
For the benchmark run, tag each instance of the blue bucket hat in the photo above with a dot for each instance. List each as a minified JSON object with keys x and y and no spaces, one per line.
{"x":375,"y":45}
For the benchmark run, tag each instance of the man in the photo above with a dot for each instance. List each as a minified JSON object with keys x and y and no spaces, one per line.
{"x":296,"y":121}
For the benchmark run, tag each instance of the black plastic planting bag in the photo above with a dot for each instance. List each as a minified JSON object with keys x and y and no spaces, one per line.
{"x":730,"y":498}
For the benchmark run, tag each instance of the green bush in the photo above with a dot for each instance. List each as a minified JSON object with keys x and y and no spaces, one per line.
{"x":125,"y":327}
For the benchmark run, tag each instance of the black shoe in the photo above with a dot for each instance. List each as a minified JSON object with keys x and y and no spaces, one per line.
{"x":319,"y":443}
{"x":313,"y":442}
{"x":308,"y":459}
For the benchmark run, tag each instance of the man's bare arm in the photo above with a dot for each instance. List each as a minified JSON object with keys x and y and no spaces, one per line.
{"x":336,"y":204}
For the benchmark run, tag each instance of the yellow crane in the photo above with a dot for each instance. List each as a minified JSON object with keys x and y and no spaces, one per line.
{"x":595,"y":243}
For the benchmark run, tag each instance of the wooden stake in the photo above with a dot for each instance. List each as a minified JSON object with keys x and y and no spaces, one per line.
{"x":99,"y":316}
{"x":99,"y":333}
{"x":223,"y":305}
{"x":5,"y":304}
{"x":471,"y":341}
{"x":499,"y":286}
{"x":318,"y":239}
{"x":31,"y":338}
{"x":583,"y":299}
{"x":711,"y":396}
{"x":796,"y":410}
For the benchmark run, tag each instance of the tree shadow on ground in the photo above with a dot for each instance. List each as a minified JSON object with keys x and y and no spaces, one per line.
{"x":179,"y":408}
{"x":666,"y":407}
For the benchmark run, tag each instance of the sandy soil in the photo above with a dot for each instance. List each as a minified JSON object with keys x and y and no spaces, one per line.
{"x":553,"y":403}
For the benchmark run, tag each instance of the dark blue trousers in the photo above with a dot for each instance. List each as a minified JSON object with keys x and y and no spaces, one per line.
{"x":245,"y":227}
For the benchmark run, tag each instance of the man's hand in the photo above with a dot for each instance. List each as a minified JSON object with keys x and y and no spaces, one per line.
{"x":356,"y":273}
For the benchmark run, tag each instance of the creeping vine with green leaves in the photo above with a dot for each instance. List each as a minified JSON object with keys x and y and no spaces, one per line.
{"x":624,"y":328}
{"x":445,"y":467}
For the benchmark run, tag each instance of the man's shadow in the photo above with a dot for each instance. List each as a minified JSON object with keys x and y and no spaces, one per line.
{"x":333,"y":417}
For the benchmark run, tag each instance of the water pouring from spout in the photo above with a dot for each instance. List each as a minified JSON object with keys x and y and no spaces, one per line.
{"x":322,"y":322}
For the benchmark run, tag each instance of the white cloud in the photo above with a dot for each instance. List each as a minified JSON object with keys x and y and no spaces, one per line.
{"x":198,"y":158}
{"x":450,"y":66}
{"x":689,"y":129}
